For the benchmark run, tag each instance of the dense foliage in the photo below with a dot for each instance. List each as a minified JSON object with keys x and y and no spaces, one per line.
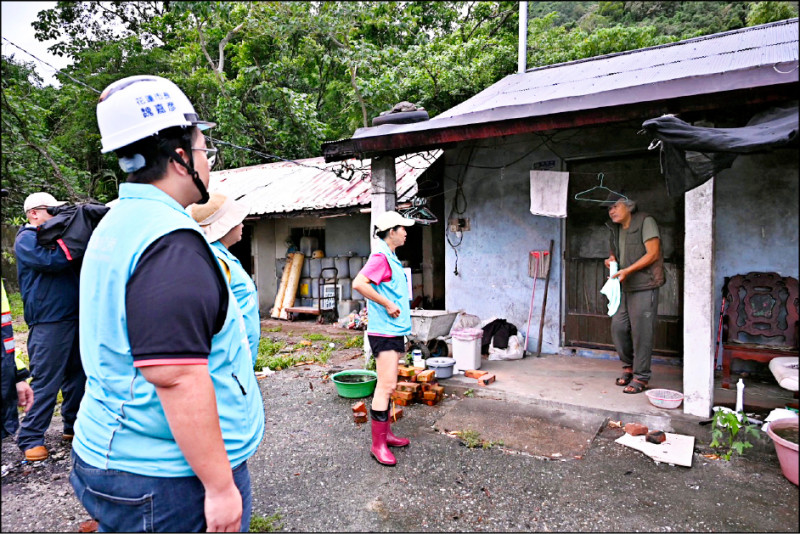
{"x":282,"y":77}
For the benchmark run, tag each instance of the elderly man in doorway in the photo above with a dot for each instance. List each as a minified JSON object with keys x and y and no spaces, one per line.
{"x":636,"y":246}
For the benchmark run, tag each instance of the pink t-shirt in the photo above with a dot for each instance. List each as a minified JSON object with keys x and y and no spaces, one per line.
{"x":377,"y":269}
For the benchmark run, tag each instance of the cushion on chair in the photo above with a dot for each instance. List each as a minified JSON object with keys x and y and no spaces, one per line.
{"x":786,"y":371}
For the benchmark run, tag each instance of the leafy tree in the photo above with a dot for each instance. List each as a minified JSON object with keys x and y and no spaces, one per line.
{"x":763,"y":12}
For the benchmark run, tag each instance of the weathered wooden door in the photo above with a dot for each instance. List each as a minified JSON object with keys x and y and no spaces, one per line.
{"x":638,"y":177}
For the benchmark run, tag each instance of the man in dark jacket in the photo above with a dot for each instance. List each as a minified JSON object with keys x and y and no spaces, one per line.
{"x":636,"y":246}
{"x":49,"y":287}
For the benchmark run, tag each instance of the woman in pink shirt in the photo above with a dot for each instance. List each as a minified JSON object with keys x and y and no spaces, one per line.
{"x":383,"y":283}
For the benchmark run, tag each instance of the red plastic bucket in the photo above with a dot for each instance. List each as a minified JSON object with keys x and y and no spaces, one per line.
{"x":787,"y":451}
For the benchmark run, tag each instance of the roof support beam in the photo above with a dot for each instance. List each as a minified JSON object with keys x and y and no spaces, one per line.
{"x":384,"y":189}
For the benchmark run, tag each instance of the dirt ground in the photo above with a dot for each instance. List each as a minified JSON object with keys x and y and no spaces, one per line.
{"x":314,"y":473}
{"x":37,"y":497}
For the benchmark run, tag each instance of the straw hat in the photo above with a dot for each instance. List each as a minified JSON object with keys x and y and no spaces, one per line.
{"x":218,"y":216}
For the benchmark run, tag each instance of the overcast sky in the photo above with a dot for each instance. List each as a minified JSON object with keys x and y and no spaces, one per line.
{"x":16,"y":21}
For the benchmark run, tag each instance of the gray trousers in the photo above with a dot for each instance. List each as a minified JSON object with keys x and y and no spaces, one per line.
{"x":55,"y":363}
{"x":632,"y":330}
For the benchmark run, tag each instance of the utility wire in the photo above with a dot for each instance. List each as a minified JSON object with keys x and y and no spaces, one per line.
{"x":52,"y":67}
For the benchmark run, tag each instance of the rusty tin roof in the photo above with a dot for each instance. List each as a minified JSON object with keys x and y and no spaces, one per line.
{"x":311,"y":185}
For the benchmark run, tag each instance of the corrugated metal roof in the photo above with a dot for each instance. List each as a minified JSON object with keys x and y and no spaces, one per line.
{"x":748,"y":58}
{"x":311,"y":184}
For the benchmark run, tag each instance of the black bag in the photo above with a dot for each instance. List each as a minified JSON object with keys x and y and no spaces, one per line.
{"x":71,"y":227}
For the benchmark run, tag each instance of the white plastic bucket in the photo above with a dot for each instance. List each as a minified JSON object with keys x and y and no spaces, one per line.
{"x":467,"y":349}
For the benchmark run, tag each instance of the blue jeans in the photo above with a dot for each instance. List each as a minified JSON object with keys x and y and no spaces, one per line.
{"x":55,"y":362}
{"x":126,"y":502}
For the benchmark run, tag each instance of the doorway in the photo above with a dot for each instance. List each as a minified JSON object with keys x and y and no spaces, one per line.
{"x":639,"y":177}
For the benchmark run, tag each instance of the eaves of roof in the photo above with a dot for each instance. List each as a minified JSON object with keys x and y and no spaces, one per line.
{"x":704,"y":72}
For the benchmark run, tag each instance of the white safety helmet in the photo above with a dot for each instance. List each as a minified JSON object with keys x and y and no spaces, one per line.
{"x":137,"y":107}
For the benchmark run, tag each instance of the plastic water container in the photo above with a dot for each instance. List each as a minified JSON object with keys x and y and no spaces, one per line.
{"x":308,"y":244}
{"x":354,"y":264}
{"x":314,"y":267}
{"x":467,"y":349}
{"x":342,"y":264}
{"x":304,"y":288}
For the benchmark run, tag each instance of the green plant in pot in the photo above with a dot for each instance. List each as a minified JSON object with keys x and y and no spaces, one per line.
{"x":730,"y":435}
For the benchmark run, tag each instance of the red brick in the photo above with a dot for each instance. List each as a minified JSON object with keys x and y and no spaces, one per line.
{"x":656,"y":436}
{"x":439,"y":390}
{"x":401,"y":402}
{"x":429,"y":395}
{"x":360,"y":417}
{"x":359,"y":407}
{"x":405,"y":371}
{"x":486,"y":379}
{"x":426,"y":376}
{"x":405,"y":395}
{"x":408,"y":386}
{"x":474,"y":373}
{"x":395,"y":414}
{"x":427,"y":386}
{"x":430,"y":402}
{"x":635,"y":429}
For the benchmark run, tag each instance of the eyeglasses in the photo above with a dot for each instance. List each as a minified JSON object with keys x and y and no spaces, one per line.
{"x":211,"y":155}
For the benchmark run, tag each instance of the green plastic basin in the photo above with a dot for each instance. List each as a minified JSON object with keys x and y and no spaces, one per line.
{"x":355,"y":390}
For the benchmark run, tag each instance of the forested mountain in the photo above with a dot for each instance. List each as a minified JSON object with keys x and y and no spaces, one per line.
{"x":282,"y":77}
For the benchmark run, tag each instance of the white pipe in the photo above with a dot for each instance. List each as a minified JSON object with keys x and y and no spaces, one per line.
{"x":523,"y":37}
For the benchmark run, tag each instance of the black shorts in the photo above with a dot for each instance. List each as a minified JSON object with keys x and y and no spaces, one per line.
{"x":380,"y":344}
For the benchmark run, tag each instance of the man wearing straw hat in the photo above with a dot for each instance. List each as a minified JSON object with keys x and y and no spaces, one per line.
{"x":221,"y":220}
{"x":172,"y":409}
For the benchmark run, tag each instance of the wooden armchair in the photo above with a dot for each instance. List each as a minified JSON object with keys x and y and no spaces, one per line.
{"x":761,"y":319}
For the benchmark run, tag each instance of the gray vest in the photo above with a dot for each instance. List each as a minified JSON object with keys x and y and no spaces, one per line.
{"x":651,"y":276}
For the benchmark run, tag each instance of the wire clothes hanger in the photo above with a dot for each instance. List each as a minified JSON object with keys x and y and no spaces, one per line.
{"x":601,"y":187}
{"x":418,"y":212}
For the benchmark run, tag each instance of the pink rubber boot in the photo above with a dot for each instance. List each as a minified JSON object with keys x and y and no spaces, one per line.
{"x":379,"y":449}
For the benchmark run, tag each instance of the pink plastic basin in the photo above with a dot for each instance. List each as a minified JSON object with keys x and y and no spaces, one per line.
{"x":787,"y":451}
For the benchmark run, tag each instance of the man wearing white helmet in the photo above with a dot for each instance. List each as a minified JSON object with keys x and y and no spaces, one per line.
{"x":172,"y":409}
{"x":48,"y":282}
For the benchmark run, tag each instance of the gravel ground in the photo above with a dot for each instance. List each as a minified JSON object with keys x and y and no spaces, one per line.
{"x":314,"y":470}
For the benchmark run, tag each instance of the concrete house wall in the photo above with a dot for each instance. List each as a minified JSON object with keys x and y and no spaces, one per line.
{"x":756,"y":226}
{"x":756,"y":209}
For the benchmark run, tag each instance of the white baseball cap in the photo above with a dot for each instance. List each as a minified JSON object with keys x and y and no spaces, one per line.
{"x":218,"y":216}
{"x":41,"y":200}
{"x":390,"y":219}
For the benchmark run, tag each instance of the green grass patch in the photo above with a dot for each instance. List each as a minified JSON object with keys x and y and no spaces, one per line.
{"x":354,"y":342}
{"x":260,"y":523}
{"x":472,"y":439}
{"x":316,"y":337}
{"x":276,"y":328}
{"x":17,"y":312}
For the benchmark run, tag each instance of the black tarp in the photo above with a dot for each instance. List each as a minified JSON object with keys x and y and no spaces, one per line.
{"x":690,"y":155}
{"x":71,"y":224}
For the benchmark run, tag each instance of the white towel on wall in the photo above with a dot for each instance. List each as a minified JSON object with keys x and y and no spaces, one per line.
{"x":549,"y":193}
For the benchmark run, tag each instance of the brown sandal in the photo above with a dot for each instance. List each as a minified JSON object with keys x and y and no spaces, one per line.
{"x":637,"y":386}
{"x":626,"y":377}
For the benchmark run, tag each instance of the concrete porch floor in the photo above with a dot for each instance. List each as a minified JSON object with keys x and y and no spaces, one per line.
{"x":587,"y":383}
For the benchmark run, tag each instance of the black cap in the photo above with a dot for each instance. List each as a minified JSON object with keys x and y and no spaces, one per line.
{"x":612,"y":198}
